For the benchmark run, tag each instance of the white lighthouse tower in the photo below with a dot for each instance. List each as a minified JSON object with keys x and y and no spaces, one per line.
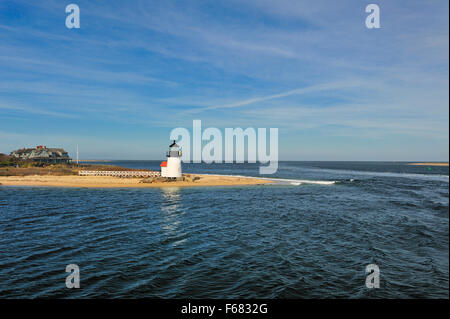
{"x":172,"y":168}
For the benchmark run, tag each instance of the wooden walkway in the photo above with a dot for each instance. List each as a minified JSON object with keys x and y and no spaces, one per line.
{"x":120,"y":173}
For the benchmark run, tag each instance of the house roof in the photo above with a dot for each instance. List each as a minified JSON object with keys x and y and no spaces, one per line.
{"x":41,"y":152}
{"x":163,"y":164}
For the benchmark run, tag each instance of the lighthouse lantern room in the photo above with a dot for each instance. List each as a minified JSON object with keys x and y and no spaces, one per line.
{"x":172,"y":167}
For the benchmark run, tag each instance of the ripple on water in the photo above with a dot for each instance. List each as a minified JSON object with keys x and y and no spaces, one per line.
{"x":306,"y":241}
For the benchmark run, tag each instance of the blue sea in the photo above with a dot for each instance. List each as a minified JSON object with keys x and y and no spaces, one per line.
{"x":288,"y":240}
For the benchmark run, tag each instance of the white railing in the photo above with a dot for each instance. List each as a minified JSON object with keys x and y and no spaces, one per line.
{"x":120,"y":173}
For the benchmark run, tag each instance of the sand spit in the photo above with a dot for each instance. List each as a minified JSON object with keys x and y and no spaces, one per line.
{"x":430,"y":164}
{"x":116,"y":182}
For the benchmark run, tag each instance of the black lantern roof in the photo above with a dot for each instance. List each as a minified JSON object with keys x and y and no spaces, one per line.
{"x":174,"y":144}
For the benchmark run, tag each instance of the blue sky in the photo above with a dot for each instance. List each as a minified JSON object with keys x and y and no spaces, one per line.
{"x":137,"y":69}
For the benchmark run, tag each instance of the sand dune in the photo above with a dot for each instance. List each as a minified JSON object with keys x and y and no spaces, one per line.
{"x":116,"y":182}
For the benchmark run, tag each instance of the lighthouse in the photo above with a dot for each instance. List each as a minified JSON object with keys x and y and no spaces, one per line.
{"x":172,"y":167}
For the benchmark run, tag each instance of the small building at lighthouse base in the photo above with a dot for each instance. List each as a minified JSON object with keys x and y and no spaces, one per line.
{"x":164,"y":169}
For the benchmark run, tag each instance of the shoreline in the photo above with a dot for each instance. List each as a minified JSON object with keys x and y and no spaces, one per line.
{"x":74,"y":181}
{"x":430,"y":164}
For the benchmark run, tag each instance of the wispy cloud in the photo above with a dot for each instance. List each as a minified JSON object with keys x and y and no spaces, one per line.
{"x":299,"y":91}
{"x":30,"y":110}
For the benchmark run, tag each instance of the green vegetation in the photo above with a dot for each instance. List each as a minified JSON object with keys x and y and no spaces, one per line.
{"x":11,"y":161}
{"x":26,"y":171}
{"x":11,"y":166}
{"x":5,"y":160}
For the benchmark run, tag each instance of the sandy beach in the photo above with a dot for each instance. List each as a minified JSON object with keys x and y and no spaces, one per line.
{"x":116,"y":182}
{"x":430,"y":164}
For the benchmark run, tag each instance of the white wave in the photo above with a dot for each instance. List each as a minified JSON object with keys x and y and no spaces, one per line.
{"x":434,"y":177}
{"x":281,"y":180}
{"x":299,"y":181}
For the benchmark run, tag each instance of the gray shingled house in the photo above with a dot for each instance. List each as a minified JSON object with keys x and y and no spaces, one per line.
{"x":42,"y":154}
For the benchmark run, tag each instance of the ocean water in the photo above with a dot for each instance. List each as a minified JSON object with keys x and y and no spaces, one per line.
{"x":289,"y":240}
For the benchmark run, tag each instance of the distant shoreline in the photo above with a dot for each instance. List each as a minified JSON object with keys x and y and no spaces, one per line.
{"x":429,"y":164}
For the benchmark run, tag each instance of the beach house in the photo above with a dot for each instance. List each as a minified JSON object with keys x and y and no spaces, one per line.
{"x":42,"y":154}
